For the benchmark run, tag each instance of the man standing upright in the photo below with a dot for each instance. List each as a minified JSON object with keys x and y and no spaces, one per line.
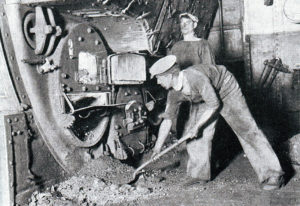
{"x":216,"y":89}
{"x":192,"y":49}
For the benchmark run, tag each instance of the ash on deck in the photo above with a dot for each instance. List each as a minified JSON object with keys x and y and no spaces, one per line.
{"x":161,"y":184}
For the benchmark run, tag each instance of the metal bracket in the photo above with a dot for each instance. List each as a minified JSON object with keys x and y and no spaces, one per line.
{"x":19,"y":155}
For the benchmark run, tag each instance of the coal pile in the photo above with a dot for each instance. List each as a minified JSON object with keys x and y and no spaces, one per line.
{"x":109,"y":169}
{"x":88,"y":191}
{"x":98,"y":183}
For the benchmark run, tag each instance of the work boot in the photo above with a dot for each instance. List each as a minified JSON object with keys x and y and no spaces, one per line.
{"x":190,"y":181}
{"x":272,"y":183}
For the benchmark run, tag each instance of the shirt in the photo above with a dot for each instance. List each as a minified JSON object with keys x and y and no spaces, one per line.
{"x":200,"y":83}
{"x":190,"y":53}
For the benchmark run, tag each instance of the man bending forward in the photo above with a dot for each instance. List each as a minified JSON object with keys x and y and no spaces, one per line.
{"x":220,"y":93}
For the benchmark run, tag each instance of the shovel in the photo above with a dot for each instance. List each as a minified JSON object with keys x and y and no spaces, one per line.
{"x":159,"y":155}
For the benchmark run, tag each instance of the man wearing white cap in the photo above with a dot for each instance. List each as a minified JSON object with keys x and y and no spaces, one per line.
{"x":216,"y":89}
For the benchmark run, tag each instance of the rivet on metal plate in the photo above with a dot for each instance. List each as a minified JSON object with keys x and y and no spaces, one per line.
{"x":63,"y":75}
{"x":80,"y":38}
{"x":97,"y":42}
{"x":89,"y":30}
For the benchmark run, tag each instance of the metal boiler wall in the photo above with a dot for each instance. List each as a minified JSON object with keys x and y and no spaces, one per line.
{"x":8,"y":105}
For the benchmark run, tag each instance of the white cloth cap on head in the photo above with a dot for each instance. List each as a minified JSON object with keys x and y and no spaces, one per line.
{"x":162,"y":65}
{"x":191,"y":16}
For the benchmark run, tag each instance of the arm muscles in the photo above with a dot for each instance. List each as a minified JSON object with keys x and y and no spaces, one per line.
{"x":164,"y":130}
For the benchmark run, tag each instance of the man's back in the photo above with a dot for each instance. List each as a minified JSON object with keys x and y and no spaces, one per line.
{"x":220,"y":78}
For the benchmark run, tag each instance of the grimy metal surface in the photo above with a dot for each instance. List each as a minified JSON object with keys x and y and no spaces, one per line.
{"x":36,"y":87}
{"x":30,"y":163}
{"x":44,"y":90}
{"x":46,"y":60}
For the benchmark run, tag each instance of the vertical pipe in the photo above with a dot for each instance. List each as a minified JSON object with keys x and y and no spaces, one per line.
{"x":222,"y":40}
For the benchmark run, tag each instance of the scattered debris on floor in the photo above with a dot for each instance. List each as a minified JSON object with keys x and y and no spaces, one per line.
{"x":98,"y":183}
{"x":161,"y":184}
{"x":109,"y":169}
{"x":85,"y":190}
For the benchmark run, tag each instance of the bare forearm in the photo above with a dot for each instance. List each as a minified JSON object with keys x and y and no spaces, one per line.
{"x":163,"y":133}
{"x":205,"y":117}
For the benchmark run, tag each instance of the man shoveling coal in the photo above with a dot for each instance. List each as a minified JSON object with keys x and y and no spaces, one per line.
{"x":217,"y":91}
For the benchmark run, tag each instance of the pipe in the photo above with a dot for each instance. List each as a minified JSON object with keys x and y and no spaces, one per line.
{"x":222,"y":40}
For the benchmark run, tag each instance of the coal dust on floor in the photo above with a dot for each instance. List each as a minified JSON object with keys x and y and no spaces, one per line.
{"x":161,"y":184}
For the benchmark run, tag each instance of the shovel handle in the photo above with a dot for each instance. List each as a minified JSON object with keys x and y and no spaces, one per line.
{"x":159,"y":155}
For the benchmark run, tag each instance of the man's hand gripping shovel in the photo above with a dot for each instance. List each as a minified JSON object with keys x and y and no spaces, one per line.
{"x":156,"y":157}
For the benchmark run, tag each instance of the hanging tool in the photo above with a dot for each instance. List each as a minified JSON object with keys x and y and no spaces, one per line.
{"x":275,"y":69}
{"x":266,"y":71}
{"x":180,"y":141}
{"x":270,"y":71}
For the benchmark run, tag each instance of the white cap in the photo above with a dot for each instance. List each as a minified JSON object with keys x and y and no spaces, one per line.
{"x":162,"y":65}
{"x":191,"y":16}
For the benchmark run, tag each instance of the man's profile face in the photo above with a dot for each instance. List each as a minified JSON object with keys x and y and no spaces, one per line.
{"x":164,"y":80}
{"x":187,"y":25}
